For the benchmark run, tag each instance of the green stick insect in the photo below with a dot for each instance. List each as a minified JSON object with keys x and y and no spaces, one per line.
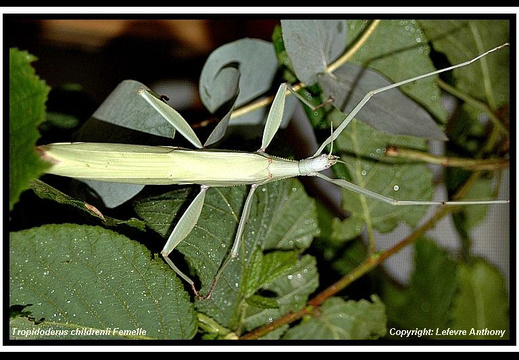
{"x":161,"y":165}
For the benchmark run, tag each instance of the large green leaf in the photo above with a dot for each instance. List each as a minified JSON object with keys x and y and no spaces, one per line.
{"x":312,"y":45}
{"x":461,"y":40}
{"x":428,"y":300}
{"x":338,"y":319}
{"x":125,"y":107}
{"x":84,"y":278}
{"x":256,"y":64}
{"x":349,"y":85}
{"x":291,"y":293}
{"x":487,"y":81}
{"x":282,"y":217}
{"x":481,"y":305}
{"x":398,"y":50}
{"x":27,"y":97}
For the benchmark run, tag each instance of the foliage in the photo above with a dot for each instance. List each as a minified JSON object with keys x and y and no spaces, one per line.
{"x":75,"y":281}
{"x":27,"y":95}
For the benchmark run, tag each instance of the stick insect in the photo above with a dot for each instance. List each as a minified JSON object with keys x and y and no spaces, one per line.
{"x":217,"y":168}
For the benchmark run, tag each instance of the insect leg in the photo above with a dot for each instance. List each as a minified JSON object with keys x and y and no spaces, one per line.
{"x":359,"y":189}
{"x":184,"y":226}
{"x":372,"y":93}
{"x":238,"y":238}
{"x":274,"y":117}
{"x":172,"y":116}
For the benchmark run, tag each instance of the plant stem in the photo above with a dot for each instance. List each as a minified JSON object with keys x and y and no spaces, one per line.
{"x":358,"y":44}
{"x":471,"y":164}
{"x":481,"y":106}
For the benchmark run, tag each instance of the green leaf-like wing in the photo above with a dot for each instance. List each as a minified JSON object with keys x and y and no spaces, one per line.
{"x":82,"y":277}
{"x":27,"y":97}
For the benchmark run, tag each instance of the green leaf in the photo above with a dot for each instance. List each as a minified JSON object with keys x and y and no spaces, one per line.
{"x":460,"y":40}
{"x":350,"y":83}
{"x":398,"y":50}
{"x":347,"y":229}
{"x":282,"y":217}
{"x":262,"y":302}
{"x":85,"y":278}
{"x":27,"y":97}
{"x":62,"y":121}
{"x":428,"y":299}
{"x":291,"y":291}
{"x":337,"y":319}
{"x":486,"y":81}
{"x":312,"y":45}
{"x":481,"y":305}
{"x":45,"y":191}
{"x":257,"y":64}
{"x":125,"y":107}
{"x":265,"y":268}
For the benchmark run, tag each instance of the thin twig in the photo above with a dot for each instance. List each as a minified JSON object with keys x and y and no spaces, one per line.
{"x":358,"y":44}
{"x":476,"y":104}
{"x":471,"y":164}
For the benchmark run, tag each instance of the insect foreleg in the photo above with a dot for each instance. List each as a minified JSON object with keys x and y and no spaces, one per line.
{"x":172,"y":116}
{"x":184,"y":226}
{"x":274,"y":117}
